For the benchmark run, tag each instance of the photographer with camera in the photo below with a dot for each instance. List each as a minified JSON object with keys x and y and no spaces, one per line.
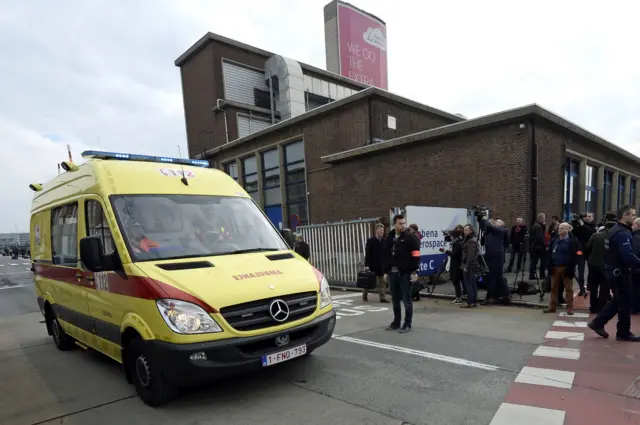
{"x":517,"y":238}
{"x":455,"y":238}
{"x":496,"y":242}
{"x":583,"y":229}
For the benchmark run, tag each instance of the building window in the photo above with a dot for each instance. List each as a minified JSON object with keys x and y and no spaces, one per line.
{"x":622,"y":181}
{"x":250,"y":177}
{"x":590,"y":189}
{"x":231,"y":168}
{"x":271,"y":178}
{"x":606,"y":192}
{"x":571,"y":185}
{"x":64,"y":235}
{"x":96,"y":224}
{"x":296,"y":184}
{"x":632,"y":192}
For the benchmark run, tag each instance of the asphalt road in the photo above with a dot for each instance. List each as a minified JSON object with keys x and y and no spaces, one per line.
{"x":455,"y":367}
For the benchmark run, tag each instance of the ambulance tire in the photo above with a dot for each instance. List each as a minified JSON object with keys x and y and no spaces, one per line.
{"x":150,"y":385}
{"x":60,"y":338}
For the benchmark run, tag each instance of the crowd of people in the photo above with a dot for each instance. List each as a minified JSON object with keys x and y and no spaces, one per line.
{"x":559,"y":253}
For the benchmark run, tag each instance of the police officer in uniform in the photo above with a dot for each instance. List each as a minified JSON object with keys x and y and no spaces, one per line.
{"x":619,"y":261}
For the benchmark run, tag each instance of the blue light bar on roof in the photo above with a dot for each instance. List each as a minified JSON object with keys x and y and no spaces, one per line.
{"x":145,"y":158}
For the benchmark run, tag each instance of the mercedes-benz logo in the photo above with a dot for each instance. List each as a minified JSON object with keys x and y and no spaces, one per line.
{"x":279,"y":310}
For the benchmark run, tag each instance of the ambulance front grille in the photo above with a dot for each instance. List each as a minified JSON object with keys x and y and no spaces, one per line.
{"x":255,"y":314}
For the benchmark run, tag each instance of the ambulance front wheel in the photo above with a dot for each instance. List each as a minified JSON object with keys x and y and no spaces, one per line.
{"x":150,"y":384}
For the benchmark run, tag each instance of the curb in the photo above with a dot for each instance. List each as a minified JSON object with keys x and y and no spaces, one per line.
{"x":514,"y":303}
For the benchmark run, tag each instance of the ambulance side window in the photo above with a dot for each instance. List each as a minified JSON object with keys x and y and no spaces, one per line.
{"x":64,"y":235}
{"x":97,"y":225}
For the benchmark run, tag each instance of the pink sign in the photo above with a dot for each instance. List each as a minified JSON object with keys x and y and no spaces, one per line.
{"x":362,"y":41}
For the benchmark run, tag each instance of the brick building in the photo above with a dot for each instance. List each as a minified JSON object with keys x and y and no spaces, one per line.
{"x":313,"y":144}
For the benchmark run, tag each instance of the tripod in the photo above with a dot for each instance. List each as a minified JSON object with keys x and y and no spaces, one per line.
{"x":518,"y":286}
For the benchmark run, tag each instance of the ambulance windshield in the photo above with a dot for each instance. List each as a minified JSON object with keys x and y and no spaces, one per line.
{"x":162,"y":227}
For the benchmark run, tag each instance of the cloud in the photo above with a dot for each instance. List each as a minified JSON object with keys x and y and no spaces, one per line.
{"x":100,"y":74}
{"x":375,"y":37}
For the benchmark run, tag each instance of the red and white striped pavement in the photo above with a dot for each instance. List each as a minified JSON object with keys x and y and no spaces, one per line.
{"x":576,"y":377}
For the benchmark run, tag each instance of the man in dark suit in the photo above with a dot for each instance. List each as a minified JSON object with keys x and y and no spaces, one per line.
{"x":517,"y":238}
{"x":374,"y":257}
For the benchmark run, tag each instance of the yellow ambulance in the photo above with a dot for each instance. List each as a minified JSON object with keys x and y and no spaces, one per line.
{"x":170,"y":268}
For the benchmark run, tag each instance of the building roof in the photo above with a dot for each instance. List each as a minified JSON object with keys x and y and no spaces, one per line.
{"x":370,"y":91}
{"x":477,"y":123}
{"x":210,"y":37}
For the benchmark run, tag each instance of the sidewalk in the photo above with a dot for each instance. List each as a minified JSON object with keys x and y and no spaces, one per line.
{"x":581,"y":376}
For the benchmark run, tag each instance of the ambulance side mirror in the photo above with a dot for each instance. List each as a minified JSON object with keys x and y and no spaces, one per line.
{"x":91,"y":255}
{"x":287,"y":234}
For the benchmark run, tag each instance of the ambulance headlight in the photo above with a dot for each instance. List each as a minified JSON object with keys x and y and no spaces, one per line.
{"x":325,"y":293}
{"x":186,"y":318}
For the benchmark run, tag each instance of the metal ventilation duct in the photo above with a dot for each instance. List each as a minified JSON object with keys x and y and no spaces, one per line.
{"x":287,"y":78}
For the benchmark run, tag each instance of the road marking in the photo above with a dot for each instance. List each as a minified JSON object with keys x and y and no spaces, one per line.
{"x":26,"y":264}
{"x":571,"y":336}
{"x":546,"y":377}
{"x":14,"y":264}
{"x":12,"y":287}
{"x":510,"y":414}
{"x":425,"y":354}
{"x":565,"y":324}
{"x":345,"y":307}
{"x":575,"y":315}
{"x":557,"y":352}
{"x":342,"y":296}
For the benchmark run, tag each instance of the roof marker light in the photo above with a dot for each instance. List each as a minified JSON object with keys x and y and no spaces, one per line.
{"x":144,"y":158}
{"x":68,"y":166}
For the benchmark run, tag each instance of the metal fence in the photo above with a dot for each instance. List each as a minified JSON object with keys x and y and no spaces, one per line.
{"x":337,"y":249}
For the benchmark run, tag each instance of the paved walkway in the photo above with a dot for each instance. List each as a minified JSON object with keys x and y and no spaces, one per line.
{"x":576,"y":377}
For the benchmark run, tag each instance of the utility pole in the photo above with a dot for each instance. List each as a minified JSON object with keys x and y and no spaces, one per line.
{"x":69,"y":152}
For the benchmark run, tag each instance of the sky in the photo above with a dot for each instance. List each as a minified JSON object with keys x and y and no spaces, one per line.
{"x":100,"y":75}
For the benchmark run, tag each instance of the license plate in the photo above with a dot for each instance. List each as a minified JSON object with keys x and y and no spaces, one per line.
{"x":283,"y":356}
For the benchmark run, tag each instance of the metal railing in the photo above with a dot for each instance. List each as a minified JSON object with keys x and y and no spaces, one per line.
{"x":338,"y":249}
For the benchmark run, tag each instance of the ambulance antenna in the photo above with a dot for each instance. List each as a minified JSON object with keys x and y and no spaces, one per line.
{"x":184,"y":178}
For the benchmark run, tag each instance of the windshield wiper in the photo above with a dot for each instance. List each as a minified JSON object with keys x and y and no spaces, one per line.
{"x":244,"y":251}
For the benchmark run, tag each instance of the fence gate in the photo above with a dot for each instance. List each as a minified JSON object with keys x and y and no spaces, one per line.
{"x":337,"y":249}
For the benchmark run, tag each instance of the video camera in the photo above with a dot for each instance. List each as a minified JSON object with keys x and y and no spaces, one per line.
{"x":577,"y":218}
{"x":479,"y":210}
{"x":451,"y":235}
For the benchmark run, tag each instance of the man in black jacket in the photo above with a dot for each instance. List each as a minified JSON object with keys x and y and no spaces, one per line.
{"x":583,"y":231}
{"x":374,"y":260}
{"x":635,"y":282}
{"x":301,"y":247}
{"x":401,"y":270}
{"x":599,"y":290}
{"x":537,"y":249}
{"x":496,"y":242}
{"x":564,"y":252}
{"x":517,"y":238}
